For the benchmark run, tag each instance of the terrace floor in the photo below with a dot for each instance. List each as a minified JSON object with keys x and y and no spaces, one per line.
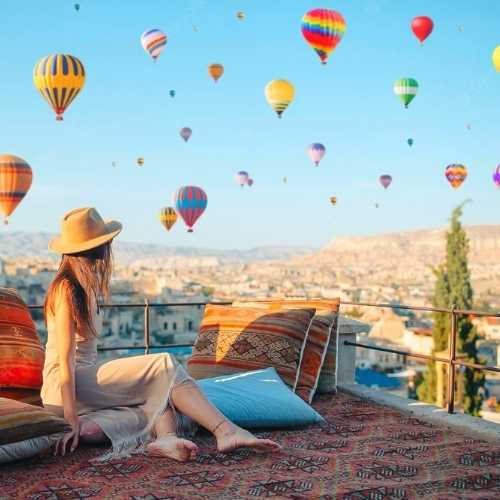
{"x":364,"y":451}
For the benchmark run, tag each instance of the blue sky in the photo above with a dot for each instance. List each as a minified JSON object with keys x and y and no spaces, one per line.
{"x":125,"y":111}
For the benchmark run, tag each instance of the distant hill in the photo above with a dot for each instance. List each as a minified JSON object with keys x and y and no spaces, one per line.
{"x":26,"y":244}
{"x":422,"y":247}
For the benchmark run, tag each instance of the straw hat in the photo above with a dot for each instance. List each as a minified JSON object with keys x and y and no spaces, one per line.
{"x":83,"y":229}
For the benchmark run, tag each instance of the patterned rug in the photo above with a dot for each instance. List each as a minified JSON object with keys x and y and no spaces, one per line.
{"x":364,"y":451}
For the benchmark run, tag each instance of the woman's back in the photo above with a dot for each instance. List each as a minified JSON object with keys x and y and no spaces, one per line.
{"x":85,"y":355}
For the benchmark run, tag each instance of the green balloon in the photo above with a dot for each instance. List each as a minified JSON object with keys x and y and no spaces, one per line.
{"x":410,"y":142}
{"x":406,"y":89}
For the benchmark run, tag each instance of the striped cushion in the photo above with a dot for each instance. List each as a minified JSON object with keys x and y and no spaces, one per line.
{"x":236,"y":339}
{"x":21,"y":355}
{"x":321,"y":340}
{"x":21,"y":421}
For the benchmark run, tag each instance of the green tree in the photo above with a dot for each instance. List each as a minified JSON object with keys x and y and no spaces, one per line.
{"x":453,"y":287}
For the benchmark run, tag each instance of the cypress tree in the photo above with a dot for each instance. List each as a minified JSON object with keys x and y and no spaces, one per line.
{"x":453,"y":287}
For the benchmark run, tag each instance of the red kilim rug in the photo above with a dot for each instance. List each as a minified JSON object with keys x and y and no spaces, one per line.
{"x":364,"y":451}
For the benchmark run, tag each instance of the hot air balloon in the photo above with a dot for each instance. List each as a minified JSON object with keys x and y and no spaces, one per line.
{"x":496,"y":58}
{"x":168,"y":217}
{"x":285,"y":180}
{"x":240,"y":15}
{"x":250,"y":182}
{"x":406,"y":89}
{"x":15,"y":182}
{"x":195,"y":28}
{"x":316,"y":152}
{"x":154,"y":42}
{"x":460,"y":28}
{"x":172,"y":93}
{"x":456,"y":174}
{"x":377,"y":205}
{"x":385,"y":180}
{"x":242,"y":178}
{"x":333,"y":200}
{"x":77,"y":6}
{"x":279,"y":94}
{"x":422,"y":27}
{"x":496,"y":176}
{"x":185,"y":133}
{"x":190,"y":202}
{"x":468,"y":126}
{"x":323,"y":29}
{"x":410,"y":142}
{"x":59,"y":78}
{"x":140,"y":162}
{"x":113,"y":164}
{"x":216,"y":71}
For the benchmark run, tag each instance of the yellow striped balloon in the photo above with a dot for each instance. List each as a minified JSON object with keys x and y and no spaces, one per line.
{"x":168,"y":217}
{"x":15,"y":182}
{"x":59,"y":78}
{"x":279,"y":94}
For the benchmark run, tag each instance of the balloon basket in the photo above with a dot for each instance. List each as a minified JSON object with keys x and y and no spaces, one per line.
{"x":190,"y":230}
{"x":6,"y":221}
{"x":59,"y":118}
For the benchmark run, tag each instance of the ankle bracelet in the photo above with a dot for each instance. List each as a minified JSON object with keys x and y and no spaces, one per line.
{"x":218,"y":425}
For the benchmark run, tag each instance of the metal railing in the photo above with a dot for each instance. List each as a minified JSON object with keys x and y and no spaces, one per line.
{"x":450,"y":361}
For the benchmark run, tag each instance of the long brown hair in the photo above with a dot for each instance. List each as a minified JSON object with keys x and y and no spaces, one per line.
{"x":85,"y":277}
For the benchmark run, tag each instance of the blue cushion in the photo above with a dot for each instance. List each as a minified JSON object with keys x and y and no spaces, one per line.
{"x":258,"y":399}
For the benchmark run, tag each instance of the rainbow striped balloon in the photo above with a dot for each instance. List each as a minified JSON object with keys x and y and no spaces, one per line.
{"x":190,"y":202}
{"x":456,"y":174}
{"x":15,"y":182}
{"x":153,"y":42}
{"x":323,"y":29}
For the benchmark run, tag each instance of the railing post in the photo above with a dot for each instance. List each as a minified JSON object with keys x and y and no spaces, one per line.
{"x":451,"y":362}
{"x":146,"y":326}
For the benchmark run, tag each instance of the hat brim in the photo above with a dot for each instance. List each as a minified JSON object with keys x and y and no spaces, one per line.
{"x":58,"y":245}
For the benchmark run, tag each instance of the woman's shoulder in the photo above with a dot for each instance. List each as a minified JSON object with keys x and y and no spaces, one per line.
{"x":64,"y":289}
{"x":61,"y":295}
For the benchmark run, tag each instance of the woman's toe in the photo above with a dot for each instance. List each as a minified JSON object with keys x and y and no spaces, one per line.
{"x":267,"y":444}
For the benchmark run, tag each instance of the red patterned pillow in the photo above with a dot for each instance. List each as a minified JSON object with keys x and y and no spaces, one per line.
{"x":21,"y":355}
{"x":239,"y":339}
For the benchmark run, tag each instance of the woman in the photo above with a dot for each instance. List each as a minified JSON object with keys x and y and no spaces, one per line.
{"x":142,"y":402}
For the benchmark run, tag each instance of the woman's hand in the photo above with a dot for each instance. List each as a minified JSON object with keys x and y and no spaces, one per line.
{"x":71,"y":438}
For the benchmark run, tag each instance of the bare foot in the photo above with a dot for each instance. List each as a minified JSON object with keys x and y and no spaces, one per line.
{"x":179,"y":449}
{"x":230,"y":437}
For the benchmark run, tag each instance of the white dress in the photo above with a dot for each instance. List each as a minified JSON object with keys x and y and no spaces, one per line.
{"x":123,"y":396}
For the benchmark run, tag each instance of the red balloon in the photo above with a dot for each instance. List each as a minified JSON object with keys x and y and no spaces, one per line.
{"x":422,"y":26}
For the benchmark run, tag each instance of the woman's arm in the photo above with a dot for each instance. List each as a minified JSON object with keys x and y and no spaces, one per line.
{"x":65,"y":332}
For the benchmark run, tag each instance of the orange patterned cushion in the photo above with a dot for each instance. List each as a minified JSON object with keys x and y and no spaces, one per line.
{"x":235,"y":339}
{"x":323,"y":329}
{"x":21,"y":355}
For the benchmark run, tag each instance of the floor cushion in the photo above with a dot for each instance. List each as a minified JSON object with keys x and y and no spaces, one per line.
{"x":28,"y":448}
{"x":21,"y":355}
{"x":258,"y":399}
{"x":26,"y":430}
{"x":320,"y":344}
{"x":238,"y":339}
